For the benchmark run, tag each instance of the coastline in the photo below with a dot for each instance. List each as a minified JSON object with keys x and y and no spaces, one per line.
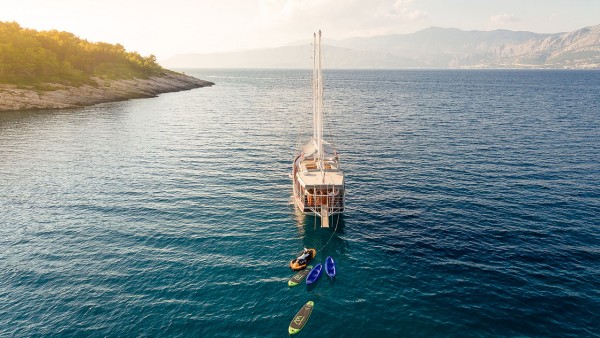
{"x":13,"y":98}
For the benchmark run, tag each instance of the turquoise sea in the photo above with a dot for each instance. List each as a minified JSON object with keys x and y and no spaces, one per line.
{"x":473,"y":209}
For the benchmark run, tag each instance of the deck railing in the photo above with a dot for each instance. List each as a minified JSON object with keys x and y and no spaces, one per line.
{"x":334,"y":203}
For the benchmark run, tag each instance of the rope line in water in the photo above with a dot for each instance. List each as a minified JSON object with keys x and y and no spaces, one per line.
{"x":333,"y":233}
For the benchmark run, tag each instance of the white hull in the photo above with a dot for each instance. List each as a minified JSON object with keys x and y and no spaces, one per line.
{"x":316,"y":193}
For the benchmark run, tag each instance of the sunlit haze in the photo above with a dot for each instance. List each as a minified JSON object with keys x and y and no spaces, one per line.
{"x":165,"y":28}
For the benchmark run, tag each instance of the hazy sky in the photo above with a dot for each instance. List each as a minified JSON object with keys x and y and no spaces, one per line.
{"x":168,"y":27}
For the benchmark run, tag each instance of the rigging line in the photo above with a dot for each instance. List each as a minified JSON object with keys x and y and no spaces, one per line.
{"x":333,"y":233}
{"x":326,"y":119}
{"x":300,"y":130}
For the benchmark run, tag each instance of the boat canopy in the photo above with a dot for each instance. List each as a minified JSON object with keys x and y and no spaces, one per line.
{"x":311,"y":149}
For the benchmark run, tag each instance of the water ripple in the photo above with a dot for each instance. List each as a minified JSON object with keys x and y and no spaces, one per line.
{"x":472,"y":209}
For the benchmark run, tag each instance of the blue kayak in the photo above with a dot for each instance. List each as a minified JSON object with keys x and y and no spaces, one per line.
{"x":314,"y":274}
{"x":330,"y":267}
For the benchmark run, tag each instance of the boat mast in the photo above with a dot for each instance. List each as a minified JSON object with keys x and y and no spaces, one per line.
{"x":314,"y":87}
{"x":319,"y":111}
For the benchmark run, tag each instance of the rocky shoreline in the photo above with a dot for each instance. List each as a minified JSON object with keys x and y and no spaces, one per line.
{"x":15,"y":98}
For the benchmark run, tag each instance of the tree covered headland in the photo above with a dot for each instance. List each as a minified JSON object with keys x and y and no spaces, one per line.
{"x":30,"y":57}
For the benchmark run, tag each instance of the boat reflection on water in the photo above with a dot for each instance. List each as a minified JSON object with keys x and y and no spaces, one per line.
{"x":304,"y":222}
{"x":326,"y":241}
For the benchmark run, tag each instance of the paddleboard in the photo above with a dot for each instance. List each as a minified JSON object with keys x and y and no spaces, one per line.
{"x":301,"y":318}
{"x":330,"y":267}
{"x":299,"y":277}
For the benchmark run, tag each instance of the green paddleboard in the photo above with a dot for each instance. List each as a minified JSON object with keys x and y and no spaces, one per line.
{"x":301,"y":318}
{"x":299,"y":277}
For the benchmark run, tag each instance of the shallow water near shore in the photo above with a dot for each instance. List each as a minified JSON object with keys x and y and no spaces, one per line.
{"x":473,"y":203}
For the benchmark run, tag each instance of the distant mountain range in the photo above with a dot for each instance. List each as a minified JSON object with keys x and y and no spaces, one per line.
{"x":430,"y":48}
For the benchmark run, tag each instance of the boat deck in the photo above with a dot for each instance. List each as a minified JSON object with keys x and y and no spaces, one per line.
{"x":312,"y":178}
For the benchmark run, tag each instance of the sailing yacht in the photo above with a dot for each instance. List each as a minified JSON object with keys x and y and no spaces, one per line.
{"x":318,"y":180}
